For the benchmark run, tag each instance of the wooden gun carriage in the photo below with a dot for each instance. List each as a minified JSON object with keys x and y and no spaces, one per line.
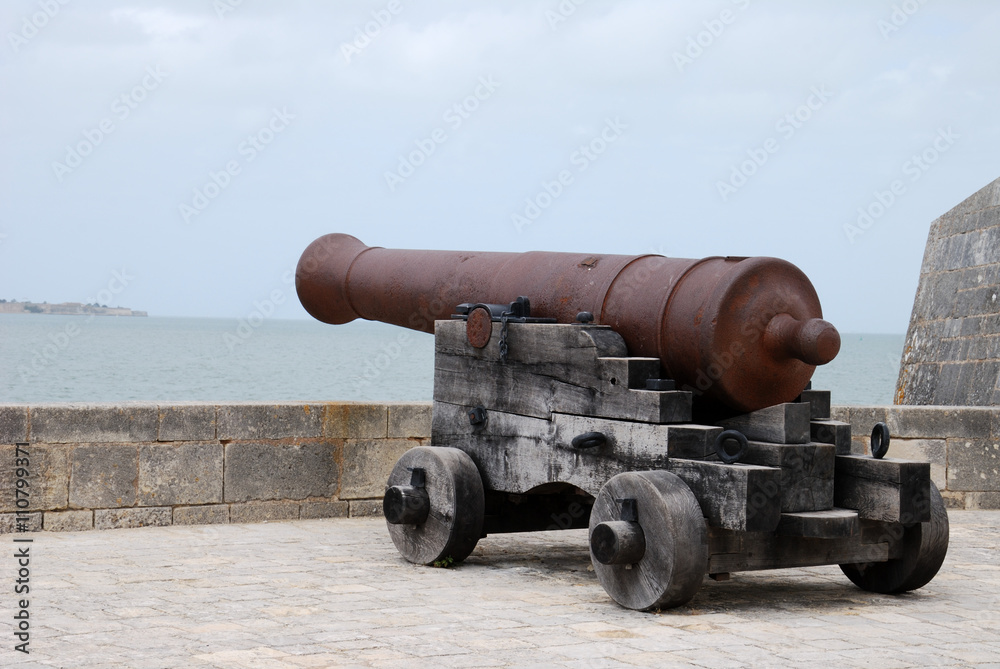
{"x":709,"y":461}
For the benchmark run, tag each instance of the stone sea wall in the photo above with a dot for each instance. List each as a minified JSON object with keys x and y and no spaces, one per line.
{"x":107,"y":466}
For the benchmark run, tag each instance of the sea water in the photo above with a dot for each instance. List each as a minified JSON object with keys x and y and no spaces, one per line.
{"x":47,"y":358}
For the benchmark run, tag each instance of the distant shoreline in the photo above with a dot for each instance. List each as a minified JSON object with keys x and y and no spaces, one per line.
{"x":66,"y":309}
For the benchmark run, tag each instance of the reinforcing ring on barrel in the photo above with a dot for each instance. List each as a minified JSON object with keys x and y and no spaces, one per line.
{"x":731,"y":446}
{"x":880,"y":440}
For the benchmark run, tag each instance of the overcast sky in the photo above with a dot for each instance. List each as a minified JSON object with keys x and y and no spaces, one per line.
{"x":179,"y":156}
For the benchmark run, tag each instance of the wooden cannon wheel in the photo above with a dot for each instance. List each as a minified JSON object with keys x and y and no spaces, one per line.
{"x":657,"y":545}
{"x":924,"y":546}
{"x":453,"y":521}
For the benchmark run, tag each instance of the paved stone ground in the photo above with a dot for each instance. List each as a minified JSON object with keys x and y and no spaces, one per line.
{"x":322,"y":593}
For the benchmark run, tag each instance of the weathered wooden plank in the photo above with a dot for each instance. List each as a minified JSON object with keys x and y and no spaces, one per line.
{"x":779,"y":424}
{"x":640,"y":442}
{"x":553,"y":368}
{"x":819,"y":403}
{"x":887,"y":490}
{"x":830,"y":524}
{"x":806,"y":473}
{"x":691,"y":441}
{"x":875,"y":532}
{"x":520,"y":453}
{"x":535,"y":343}
{"x":772,"y":551}
{"x":833,"y":432}
{"x":733,"y":497}
{"x":517,"y":453}
{"x":721,"y":540}
{"x":890,"y":470}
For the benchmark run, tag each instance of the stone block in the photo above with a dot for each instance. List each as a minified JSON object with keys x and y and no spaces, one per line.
{"x":151,"y":516}
{"x":937,"y":422}
{"x":841,"y":413}
{"x":863,"y":419}
{"x":366,"y":508}
{"x":407,"y":421}
{"x":354,"y":420}
{"x":324,"y":509}
{"x":982,"y":500}
{"x":941,"y":293}
{"x":367,"y":463}
{"x":184,"y":473}
{"x":257,"y":470}
{"x":48,"y":476}
{"x":987,"y":350}
{"x":954,"y":349}
{"x":69,"y":521}
{"x":995,"y":424}
{"x":13,"y":424}
{"x":974,"y":465}
{"x":934,"y":451}
{"x":210,"y":514}
{"x":103,"y":476}
{"x":270,"y":421}
{"x":971,"y":327}
{"x":918,"y":383}
{"x":948,"y":377}
{"x":93,"y":423}
{"x":985,"y":377}
{"x":8,"y":522}
{"x":262,"y":512}
{"x":984,"y":198}
{"x":952,"y":499}
{"x":186,"y":422}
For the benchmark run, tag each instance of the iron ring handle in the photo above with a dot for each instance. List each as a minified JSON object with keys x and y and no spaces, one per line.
{"x":589,"y":440}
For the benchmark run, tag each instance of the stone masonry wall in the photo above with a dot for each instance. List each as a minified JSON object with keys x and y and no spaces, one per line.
{"x":952,"y":351}
{"x":129,"y":465}
{"x":961,"y":443}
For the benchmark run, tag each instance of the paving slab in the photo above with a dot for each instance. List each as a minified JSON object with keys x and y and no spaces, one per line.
{"x":334,"y":592}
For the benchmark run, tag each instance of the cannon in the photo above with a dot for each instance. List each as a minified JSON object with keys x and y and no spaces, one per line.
{"x":663,"y":404}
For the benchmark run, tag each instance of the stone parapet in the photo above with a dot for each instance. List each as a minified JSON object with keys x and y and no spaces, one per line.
{"x":131,"y":465}
{"x":961,"y":443}
{"x":102,"y":466}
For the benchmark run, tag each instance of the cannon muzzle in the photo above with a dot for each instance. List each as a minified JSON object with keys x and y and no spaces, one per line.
{"x":745,"y":332}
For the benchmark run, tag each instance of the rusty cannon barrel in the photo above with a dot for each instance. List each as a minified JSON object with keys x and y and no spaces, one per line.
{"x":745,"y":332}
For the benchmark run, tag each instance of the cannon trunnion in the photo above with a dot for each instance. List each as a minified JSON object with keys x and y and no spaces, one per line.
{"x":661,"y":403}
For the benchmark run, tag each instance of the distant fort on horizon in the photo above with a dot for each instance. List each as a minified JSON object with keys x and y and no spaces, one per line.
{"x":65,"y":309}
